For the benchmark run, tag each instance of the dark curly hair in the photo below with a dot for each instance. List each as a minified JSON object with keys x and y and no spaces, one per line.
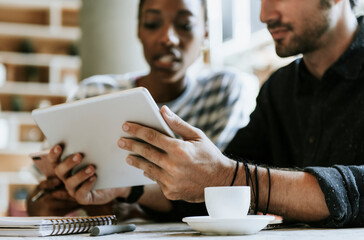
{"x":203,"y":3}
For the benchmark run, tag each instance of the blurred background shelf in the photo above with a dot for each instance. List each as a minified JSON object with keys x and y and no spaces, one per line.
{"x":38,"y":47}
{"x":38,"y":52}
{"x":41,"y":12}
{"x":39,"y":66}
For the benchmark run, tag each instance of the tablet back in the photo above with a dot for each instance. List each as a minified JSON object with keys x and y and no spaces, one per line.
{"x":92,"y":126}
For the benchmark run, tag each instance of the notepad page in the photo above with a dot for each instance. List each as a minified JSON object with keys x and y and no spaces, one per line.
{"x":51,"y":226}
{"x":24,"y":221}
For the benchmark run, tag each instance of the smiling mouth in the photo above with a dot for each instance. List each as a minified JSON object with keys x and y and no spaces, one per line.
{"x":168,"y":62}
{"x":167,"y":59}
{"x":278,"y":33}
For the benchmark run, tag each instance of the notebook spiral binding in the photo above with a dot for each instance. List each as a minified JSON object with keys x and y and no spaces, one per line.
{"x":70,"y":225}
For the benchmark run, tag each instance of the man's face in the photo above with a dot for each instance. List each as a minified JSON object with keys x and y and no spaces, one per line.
{"x":297,"y":26}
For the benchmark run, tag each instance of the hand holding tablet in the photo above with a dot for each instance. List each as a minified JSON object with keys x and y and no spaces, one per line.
{"x":93,"y":126}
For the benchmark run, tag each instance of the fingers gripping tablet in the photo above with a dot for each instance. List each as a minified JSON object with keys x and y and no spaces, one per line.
{"x":93,"y":126}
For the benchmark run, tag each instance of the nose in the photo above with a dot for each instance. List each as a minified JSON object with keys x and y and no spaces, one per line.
{"x":268,"y":11}
{"x":170,"y":37}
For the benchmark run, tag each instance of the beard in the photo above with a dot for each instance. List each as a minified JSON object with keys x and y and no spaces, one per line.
{"x":308,"y":40}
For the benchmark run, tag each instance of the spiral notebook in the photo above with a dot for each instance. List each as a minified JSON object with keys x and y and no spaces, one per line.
{"x":51,"y":226}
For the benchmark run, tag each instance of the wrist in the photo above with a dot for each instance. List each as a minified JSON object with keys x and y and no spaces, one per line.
{"x":135,"y":194}
{"x":122,"y":192}
{"x":131,"y":194}
{"x":227,"y":172}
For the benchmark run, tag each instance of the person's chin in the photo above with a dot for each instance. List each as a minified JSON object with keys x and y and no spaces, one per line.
{"x":168,"y":75}
{"x":284,"y":51}
{"x":284,"y":48}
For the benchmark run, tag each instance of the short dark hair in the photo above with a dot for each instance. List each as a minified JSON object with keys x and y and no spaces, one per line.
{"x":203,"y":3}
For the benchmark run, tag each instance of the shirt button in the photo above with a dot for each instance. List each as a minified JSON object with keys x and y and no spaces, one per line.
{"x":311,"y":140}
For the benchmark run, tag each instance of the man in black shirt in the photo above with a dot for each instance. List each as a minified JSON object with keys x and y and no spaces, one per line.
{"x":309,"y":117}
{"x":315,"y":123}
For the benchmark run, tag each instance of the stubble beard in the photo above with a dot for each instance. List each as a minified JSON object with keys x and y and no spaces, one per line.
{"x":306,"y":42}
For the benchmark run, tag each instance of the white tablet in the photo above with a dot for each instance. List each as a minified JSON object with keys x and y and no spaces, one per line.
{"x":93,"y":127}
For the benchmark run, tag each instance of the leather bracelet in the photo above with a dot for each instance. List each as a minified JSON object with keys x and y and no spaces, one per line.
{"x":269,"y":187}
{"x":257,"y":190}
{"x":235,"y":173}
{"x":135,"y":193}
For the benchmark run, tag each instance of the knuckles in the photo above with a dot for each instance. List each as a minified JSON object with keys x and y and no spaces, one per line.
{"x":150,"y":135}
{"x":150,"y":170}
{"x":178,"y":123}
{"x":147,"y":151}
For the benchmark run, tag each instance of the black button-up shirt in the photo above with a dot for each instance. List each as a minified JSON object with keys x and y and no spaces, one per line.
{"x":317,"y":125}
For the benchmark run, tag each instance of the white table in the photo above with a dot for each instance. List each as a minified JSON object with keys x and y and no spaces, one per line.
{"x":181,"y":231}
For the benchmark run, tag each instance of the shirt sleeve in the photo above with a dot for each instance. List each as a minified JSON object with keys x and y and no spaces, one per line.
{"x":94,"y":86}
{"x":343,"y":187}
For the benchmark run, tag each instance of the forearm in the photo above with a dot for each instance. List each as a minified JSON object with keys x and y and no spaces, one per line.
{"x":154,"y":199}
{"x":293,"y":194}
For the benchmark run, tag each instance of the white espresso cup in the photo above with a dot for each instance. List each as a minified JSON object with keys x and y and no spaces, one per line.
{"x":227,"y":202}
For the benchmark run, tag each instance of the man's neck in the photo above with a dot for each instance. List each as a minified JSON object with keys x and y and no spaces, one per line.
{"x":334,"y":45}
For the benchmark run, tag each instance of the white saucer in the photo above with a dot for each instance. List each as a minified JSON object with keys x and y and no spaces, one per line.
{"x":228,"y":226}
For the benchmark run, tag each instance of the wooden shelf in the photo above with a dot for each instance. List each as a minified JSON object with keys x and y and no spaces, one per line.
{"x":38,"y":47}
{"x":25,"y":133}
{"x":17,"y":14}
{"x":10,"y":102}
{"x":70,"y":17}
{"x":11,"y":162}
{"x":27,"y":73}
{"x":28,"y":96}
{"x":36,"y":89}
{"x":41,"y":68}
{"x":41,"y":12}
{"x":43,"y":60}
{"x":37,"y":44}
{"x":74,"y":4}
{"x":35,"y":31}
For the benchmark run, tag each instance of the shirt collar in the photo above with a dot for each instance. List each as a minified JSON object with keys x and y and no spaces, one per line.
{"x":351,"y":62}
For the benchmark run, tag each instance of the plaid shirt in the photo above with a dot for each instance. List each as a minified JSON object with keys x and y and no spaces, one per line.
{"x":218,"y":103}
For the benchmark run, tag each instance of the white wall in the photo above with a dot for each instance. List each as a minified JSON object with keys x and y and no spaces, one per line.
{"x":109,"y":42}
{"x":240,"y":26}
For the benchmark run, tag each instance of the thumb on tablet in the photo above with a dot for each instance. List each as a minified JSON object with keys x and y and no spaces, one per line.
{"x":177,"y":125}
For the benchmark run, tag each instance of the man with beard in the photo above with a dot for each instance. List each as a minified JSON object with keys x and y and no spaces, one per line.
{"x":305,"y":139}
